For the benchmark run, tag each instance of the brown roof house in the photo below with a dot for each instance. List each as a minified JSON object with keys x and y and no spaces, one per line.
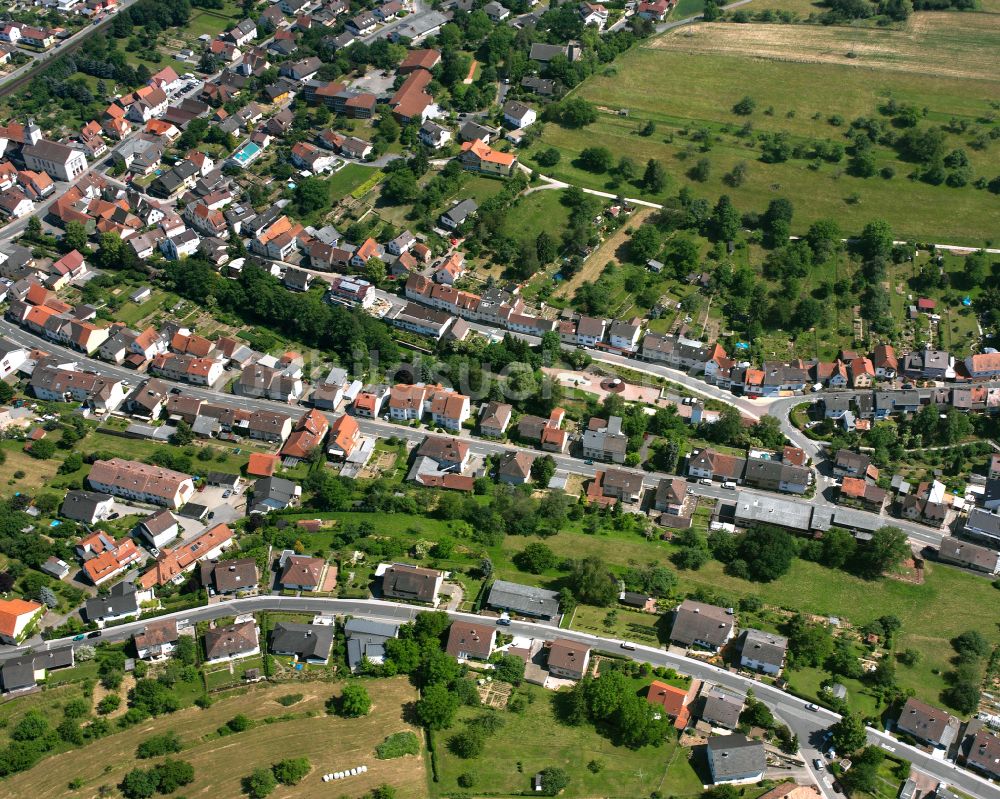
{"x":300,"y":572}
{"x":235,"y":641}
{"x":928,"y":724}
{"x":568,"y":659}
{"x":515,"y":468}
{"x":156,"y":640}
{"x":412,"y":583}
{"x":471,"y":640}
{"x":697,"y":624}
{"x":715,"y":465}
{"x":984,"y":754}
{"x":229,"y":576}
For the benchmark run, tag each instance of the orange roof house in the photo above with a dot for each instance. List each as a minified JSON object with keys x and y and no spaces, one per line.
{"x":307,"y":435}
{"x":15,"y":617}
{"x":262,"y":465}
{"x":673,"y":700}
{"x":477,"y":154}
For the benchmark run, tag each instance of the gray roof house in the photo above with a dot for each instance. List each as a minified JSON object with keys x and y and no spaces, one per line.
{"x":121,"y":602}
{"x":702,"y":625}
{"x":525,"y":600}
{"x":18,"y":673}
{"x":762,"y":651}
{"x":307,"y":642}
{"x":458,"y":213}
{"x":722,"y":709}
{"x":273,"y":493}
{"x":736,"y":759}
{"x":366,"y":640}
{"x":928,"y":724}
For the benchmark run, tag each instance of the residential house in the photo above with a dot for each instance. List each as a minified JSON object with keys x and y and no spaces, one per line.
{"x":156,"y":640}
{"x":232,"y":642}
{"x":928,"y":724}
{"x":345,"y":436}
{"x":173,"y":564}
{"x":671,"y":493}
{"x":300,"y":572}
{"x":366,"y":641}
{"x":411,"y":583}
{"x":983,"y":753}
{"x":860,"y":493}
{"x":514,"y":468}
{"x":124,"y":601}
{"x":141,"y":482}
{"x":567,"y":659}
{"x":736,"y":760}
{"x":469,"y":640}
{"x":477,"y":156}
{"x":274,"y":493}
{"x":604,"y":440}
{"x":721,"y":708}
{"x":697,"y":624}
{"x":458,"y":214}
{"x":671,"y":701}
{"x":229,"y":577}
{"x":307,"y":643}
{"x":158,"y":529}
{"x":762,"y":651}
{"x":971,"y":556}
{"x":88,"y":507}
{"x":18,"y":618}
{"x":524,"y":600}
{"x":775,"y":475}
{"x":494,"y":419}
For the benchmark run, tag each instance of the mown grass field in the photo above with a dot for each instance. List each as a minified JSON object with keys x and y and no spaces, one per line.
{"x":691,"y":77}
{"x":533,"y":740}
{"x":330,"y":743}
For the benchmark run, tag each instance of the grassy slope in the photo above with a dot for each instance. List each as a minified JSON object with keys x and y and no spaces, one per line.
{"x":332,"y":744}
{"x":677,"y":88}
{"x":626,"y":773}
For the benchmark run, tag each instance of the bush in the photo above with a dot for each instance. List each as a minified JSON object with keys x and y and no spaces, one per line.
{"x":288,"y":699}
{"x":164,"y":744}
{"x":398,"y":745}
{"x":292,"y":770}
{"x":240,"y":723}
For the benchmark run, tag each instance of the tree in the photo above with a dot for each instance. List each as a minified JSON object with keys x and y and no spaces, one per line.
{"x":75,"y":237}
{"x":654,"y":179}
{"x":311,"y":194}
{"x":596,"y":159}
{"x":139,"y":783}
{"x":767,"y":552}
{"x":548,"y":157}
{"x":970,"y":646}
{"x":553,"y":780}
{"x":575,"y":112}
{"x":291,"y":771}
{"x":509,"y":668}
{"x":535,"y":558}
{"x":260,"y":783}
{"x":400,"y":187}
{"x":838,"y":548}
{"x":701,"y":170}
{"x":173,"y":774}
{"x":963,"y":696}
{"x":42,"y":449}
{"x":847,"y":735}
{"x":592,"y":582}
{"x":887,"y":547}
{"x":876,"y":240}
{"x":354,"y":701}
{"x":437,"y":707}
{"x":645,"y":244}
{"x":468,"y":743}
{"x":542,"y":469}
{"x":809,"y":644}
{"x":725,"y":222}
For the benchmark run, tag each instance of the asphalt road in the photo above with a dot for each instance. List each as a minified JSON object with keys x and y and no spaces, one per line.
{"x":808,"y":725}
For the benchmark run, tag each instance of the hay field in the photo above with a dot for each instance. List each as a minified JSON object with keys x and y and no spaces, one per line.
{"x":949,"y":45}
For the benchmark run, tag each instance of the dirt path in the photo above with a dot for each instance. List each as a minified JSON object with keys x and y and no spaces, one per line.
{"x":599,"y":258}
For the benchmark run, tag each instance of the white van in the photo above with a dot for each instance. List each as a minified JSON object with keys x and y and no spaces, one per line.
{"x":729,"y":484}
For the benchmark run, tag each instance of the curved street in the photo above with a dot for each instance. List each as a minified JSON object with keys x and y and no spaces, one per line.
{"x":808,"y":725}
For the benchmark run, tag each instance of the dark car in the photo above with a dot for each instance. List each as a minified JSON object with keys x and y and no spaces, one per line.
{"x":94,"y":634}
